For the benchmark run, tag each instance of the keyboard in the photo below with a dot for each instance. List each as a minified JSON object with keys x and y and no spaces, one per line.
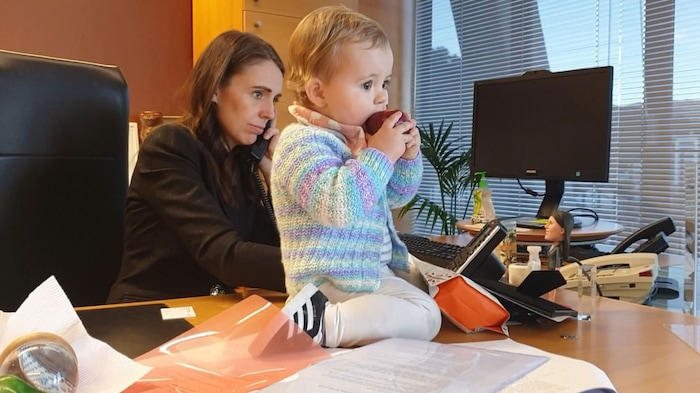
{"x":530,"y":304}
{"x":474,"y":259}
{"x":436,"y":253}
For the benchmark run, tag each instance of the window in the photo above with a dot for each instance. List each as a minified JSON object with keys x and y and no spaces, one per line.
{"x":654,"y":47}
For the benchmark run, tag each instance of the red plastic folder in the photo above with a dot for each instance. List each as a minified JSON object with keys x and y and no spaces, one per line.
{"x":245,"y":348}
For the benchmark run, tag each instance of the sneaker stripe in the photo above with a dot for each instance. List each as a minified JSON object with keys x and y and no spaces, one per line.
{"x":307,"y":309}
{"x":304,"y":323}
{"x":318,"y":305}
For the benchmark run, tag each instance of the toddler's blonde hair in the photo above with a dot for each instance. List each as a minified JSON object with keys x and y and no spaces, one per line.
{"x":315,"y":44}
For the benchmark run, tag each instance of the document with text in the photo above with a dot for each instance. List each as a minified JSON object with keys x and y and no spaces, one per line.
{"x":407,"y":366}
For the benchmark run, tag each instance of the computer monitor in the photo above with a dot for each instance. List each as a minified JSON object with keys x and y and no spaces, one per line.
{"x":553,"y":126}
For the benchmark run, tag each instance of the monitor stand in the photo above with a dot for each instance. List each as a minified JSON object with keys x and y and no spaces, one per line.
{"x":554,"y":191}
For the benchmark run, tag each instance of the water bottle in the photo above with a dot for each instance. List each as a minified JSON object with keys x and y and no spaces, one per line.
{"x":533,"y":262}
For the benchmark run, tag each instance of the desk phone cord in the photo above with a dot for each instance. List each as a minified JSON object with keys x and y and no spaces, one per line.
{"x":264,"y":196}
{"x":588,"y":275}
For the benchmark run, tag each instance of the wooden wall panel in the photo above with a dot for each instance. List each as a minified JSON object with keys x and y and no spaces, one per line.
{"x":150,"y":41}
{"x":396,"y":17}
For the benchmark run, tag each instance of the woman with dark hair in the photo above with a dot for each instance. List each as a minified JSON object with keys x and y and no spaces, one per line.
{"x":195,"y":218}
{"x":558,"y":231}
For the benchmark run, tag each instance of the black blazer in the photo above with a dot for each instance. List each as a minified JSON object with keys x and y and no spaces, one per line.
{"x":180,"y":237}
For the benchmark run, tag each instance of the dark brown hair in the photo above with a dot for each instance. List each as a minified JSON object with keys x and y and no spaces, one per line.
{"x":227,"y":55}
{"x":566,"y":221}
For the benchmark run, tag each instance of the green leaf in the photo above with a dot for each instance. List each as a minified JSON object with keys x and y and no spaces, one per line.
{"x":450,"y":162}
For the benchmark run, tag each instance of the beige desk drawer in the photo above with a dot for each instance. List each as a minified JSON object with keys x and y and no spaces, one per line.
{"x":294,"y":8}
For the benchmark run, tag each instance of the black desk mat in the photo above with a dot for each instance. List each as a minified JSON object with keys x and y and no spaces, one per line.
{"x":132,"y":330}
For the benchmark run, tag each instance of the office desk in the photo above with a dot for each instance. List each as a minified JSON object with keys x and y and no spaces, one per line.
{"x":585,"y":235}
{"x":627,"y":341}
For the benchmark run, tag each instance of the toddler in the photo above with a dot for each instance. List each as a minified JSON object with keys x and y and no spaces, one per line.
{"x":334,"y":186}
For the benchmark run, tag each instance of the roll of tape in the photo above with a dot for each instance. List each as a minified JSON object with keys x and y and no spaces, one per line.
{"x":517,"y":273}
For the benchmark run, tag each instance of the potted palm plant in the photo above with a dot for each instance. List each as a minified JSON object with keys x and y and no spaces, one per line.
{"x":450,"y":162}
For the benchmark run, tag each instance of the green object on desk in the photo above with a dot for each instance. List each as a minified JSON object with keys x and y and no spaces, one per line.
{"x":14,"y":384}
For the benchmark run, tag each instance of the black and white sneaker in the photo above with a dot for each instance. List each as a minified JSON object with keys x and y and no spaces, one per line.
{"x":288,"y":333}
{"x":307,"y":309}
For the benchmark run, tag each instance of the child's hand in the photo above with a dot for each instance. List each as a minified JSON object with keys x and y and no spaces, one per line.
{"x":392,"y":140}
{"x":413,"y":146}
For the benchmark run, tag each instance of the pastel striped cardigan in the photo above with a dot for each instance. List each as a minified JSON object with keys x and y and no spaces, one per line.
{"x":331,"y":208}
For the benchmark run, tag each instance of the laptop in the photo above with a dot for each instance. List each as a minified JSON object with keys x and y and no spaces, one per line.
{"x":474,"y":259}
{"x":524,"y":301}
{"x":477,"y":262}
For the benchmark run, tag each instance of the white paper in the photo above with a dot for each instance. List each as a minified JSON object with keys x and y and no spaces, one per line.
{"x":553,"y":376}
{"x":434,"y":275}
{"x":47,"y":309}
{"x":133,"y":147}
{"x":177,"y":313}
{"x":559,"y":375}
{"x":407,"y":366}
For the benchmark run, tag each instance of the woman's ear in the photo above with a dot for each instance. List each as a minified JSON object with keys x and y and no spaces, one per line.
{"x":215,"y":98}
{"x":314,"y":92}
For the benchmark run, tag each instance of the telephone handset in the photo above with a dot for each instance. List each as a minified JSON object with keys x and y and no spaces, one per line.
{"x":257,"y":152}
{"x":611,"y":263}
{"x":258,"y":149}
{"x":655,"y":234}
{"x":620,"y":276}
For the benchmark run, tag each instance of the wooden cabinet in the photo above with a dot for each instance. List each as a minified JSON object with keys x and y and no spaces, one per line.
{"x":272,"y":20}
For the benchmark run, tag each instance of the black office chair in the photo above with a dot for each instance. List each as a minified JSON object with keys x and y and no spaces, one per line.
{"x":63,"y":176}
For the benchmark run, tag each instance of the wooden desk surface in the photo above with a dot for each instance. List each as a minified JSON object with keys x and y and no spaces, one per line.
{"x":586,"y":234}
{"x":629,"y":342}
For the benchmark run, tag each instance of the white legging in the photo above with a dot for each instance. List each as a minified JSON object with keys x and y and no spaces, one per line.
{"x":396,"y":309}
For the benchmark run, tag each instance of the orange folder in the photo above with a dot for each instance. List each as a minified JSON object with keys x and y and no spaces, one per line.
{"x":245,"y":348}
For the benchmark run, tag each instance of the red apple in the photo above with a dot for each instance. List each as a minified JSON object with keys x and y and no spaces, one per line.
{"x":375,"y":121}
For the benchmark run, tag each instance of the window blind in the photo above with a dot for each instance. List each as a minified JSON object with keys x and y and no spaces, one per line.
{"x":654,"y":47}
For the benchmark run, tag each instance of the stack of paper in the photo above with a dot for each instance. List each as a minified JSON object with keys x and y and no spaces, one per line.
{"x":407,"y":366}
